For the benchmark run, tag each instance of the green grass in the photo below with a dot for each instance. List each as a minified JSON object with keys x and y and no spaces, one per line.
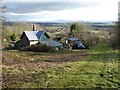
{"x":98,"y":69}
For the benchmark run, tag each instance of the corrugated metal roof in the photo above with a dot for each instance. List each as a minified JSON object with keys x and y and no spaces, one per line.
{"x":34,"y":35}
{"x":73,"y":39}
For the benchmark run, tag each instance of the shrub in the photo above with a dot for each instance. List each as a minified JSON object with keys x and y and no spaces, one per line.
{"x":6,"y":33}
{"x":115,"y":39}
{"x":39,"y":48}
{"x":90,"y":41}
{"x":13,"y":37}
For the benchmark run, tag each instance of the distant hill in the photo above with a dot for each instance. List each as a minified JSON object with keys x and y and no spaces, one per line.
{"x":66,"y":23}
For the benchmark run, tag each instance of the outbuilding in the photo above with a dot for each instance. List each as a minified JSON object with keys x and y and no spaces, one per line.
{"x":74,"y":42}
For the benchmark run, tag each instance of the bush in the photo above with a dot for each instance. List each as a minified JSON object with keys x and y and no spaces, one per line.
{"x":6,"y":33}
{"x":115,"y":39}
{"x":39,"y":48}
{"x":90,"y":41}
{"x":13,"y":37}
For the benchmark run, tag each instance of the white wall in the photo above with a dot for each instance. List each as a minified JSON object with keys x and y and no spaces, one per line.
{"x":33,"y":42}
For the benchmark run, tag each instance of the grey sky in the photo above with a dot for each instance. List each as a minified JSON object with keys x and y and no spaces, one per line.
{"x":85,"y":10}
{"x":28,"y":7}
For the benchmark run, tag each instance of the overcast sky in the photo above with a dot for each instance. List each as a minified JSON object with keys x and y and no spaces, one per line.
{"x":51,"y":10}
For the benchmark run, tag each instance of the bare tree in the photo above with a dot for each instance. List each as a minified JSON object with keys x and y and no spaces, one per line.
{"x":2,"y":10}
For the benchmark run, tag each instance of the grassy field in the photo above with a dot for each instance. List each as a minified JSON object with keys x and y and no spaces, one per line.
{"x":86,"y":68}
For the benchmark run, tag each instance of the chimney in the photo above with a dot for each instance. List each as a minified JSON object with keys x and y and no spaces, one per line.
{"x":34,"y":27}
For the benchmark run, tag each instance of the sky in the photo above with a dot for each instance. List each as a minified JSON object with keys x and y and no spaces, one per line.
{"x":61,"y":10}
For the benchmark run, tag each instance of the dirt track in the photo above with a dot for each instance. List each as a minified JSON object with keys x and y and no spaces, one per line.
{"x":42,"y":59}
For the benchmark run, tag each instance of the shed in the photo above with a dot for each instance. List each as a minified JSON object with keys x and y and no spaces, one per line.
{"x":75,"y":42}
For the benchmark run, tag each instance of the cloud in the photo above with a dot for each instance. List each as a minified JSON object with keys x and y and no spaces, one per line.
{"x":84,"y":10}
{"x":29,"y":7}
{"x":51,"y":0}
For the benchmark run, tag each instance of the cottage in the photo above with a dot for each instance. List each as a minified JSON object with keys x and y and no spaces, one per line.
{"x":29,"y":38}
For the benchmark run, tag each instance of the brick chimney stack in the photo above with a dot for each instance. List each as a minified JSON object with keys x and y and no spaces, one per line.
{"x":34,"y":27}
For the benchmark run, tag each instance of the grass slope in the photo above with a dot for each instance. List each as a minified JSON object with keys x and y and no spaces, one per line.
{"x":93,"y":68}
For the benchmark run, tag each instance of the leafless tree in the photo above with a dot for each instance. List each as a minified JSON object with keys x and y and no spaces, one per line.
{"x":2,"y":10}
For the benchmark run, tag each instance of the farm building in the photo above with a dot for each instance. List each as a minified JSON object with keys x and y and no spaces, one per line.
{"x":74,"y":42}
{"x":29,"y":38}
